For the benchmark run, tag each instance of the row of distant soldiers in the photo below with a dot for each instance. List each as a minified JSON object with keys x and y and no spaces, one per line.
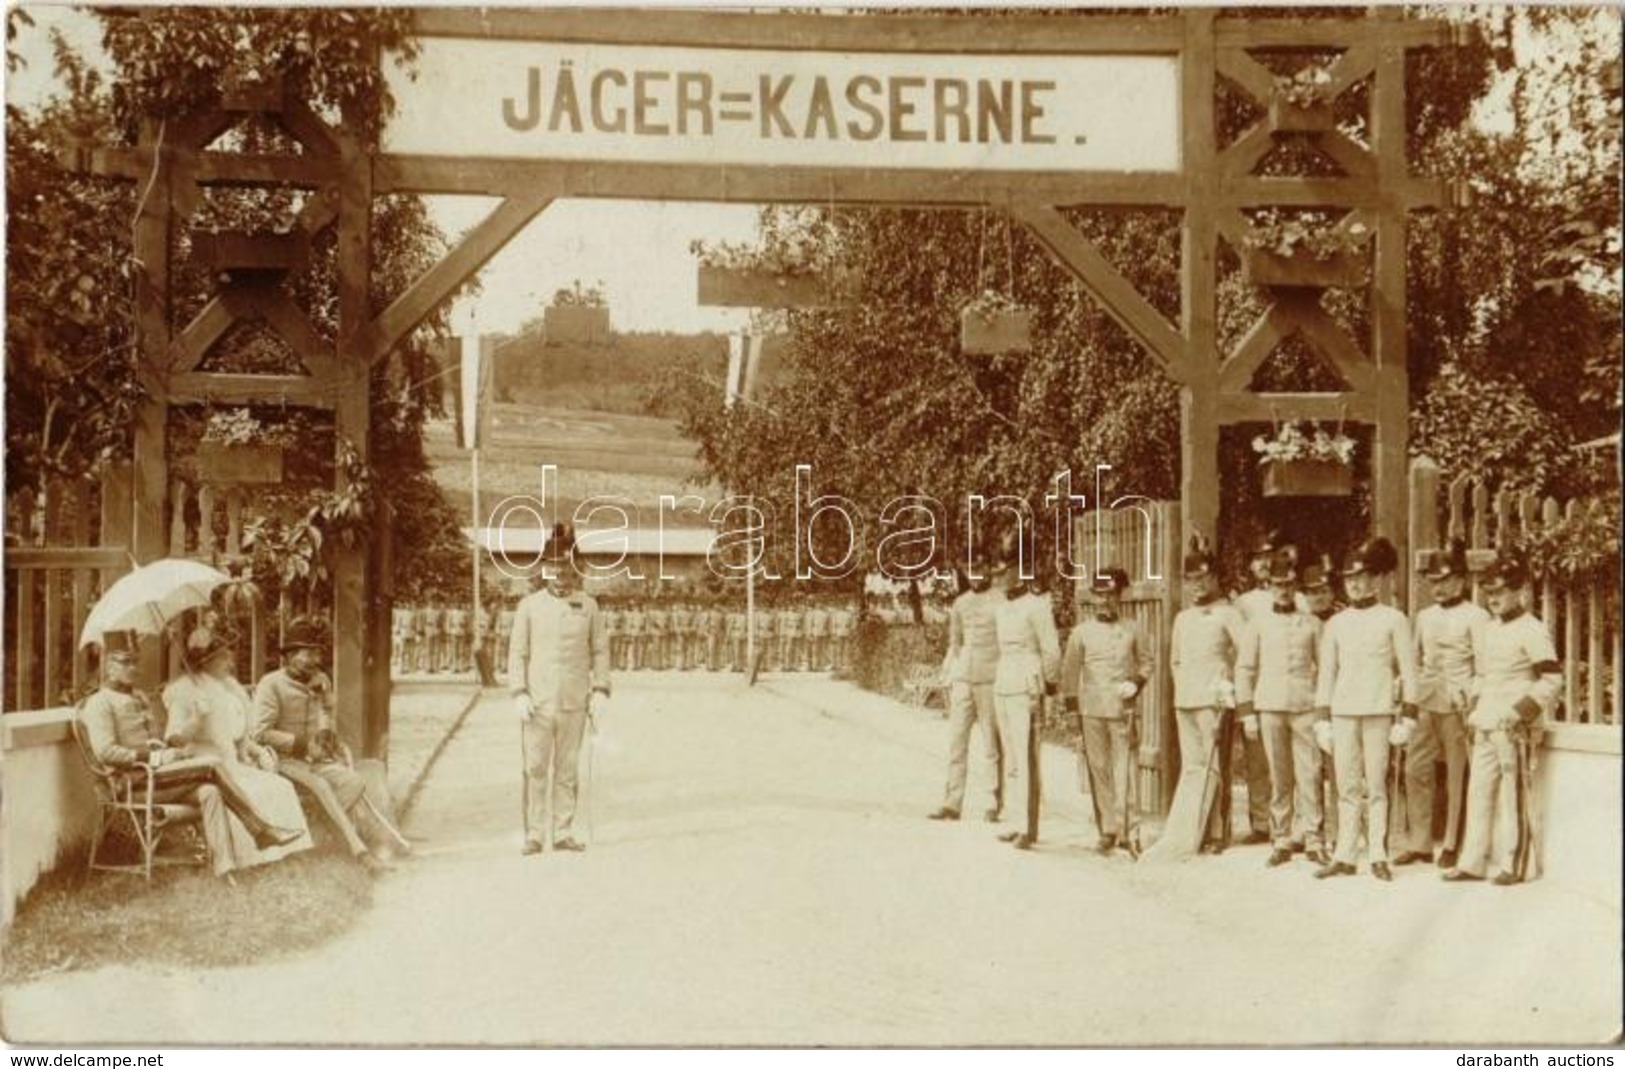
{"x":805,"y":636}
{"x":653,"y":635}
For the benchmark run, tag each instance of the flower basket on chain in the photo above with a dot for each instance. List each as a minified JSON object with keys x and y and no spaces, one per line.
{"x":234,"y":452}
{"x":1295,"y":254}
{"x":1301,"y":103}
{"x":1306,"y":464}
{"x":994,"y":324}
{"x":1308,"y":478}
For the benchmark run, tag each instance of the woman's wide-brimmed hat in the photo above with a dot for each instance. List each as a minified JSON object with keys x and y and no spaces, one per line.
{"x":203,"y":645}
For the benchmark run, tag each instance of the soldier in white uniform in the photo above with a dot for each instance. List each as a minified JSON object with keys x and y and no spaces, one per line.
{"x":790,"y":645}
{"x":736,"y":641}
{"x":656,"y":636}
{"x":559,"y":671}
{"x":457,"y":639}
{"x":973,"y":661}
{"x":1516,"y":682}
{"x":1275,"y":700}
{"x":1449,"y":634}
{"x":1202,"y":651}
{"x":632,"y":623}
{"x":1104,"y":668}
{"x":1253,"y":605}
{"x":842,"y":623}
{"x":1028,"y":671}
{"x":817,"y":625}
{"x":1367,"y":648}
{"x":679,"y":623}
{"x":401,"y":627}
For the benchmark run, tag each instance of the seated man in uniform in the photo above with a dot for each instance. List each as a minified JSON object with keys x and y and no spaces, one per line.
{"x":293,"y":714}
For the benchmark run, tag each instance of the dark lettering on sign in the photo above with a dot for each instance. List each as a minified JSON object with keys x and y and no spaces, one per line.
{"x":772,"y":103}
{"x":694,"y":95}
{"x":864,"y":107}
{"x":608,"y":125}
{"x":644,"y":101}
{"x":533,"y":95}
{"x":899,"y":110}
{"x":877,"y":119}
{"x":993,"y":111}
{"x":821,"y":110}
{"x":1032,"y":111}
{"x":952,"y":97}
{"x":565,"y":104}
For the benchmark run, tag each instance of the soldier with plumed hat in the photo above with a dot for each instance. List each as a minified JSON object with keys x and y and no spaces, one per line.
{"x":1207,"y":636}
{"x":1366,"y":656}
{"x":1275,"y":691}
{"x":1103,"y":669}
{"x":1449,"y":635}
{"x":558,"y":667}
{"x":1516,"y":681}
{"x":1028,"y":670}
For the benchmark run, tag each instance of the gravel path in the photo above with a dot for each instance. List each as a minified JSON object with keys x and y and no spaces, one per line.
{"x":761,"y":873}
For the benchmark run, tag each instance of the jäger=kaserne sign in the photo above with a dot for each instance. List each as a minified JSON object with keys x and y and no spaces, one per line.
{"x":661,"y":104}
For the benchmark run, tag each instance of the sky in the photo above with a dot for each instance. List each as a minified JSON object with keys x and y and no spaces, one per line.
{"x":637,"y":250}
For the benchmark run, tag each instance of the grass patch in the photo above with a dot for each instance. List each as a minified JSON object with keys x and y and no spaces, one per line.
{"x":72,"y":921}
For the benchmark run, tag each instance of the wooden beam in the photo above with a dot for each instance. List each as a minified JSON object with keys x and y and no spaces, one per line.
{"x":1249,"y":75}
{"x":1268,"y":330}
{"x":1242,"y":156}
{"x":1322,"y":331}
{"x":1335,"y":192}
{"x":319,"y":212}
{"x":212,"y":168}
{"x":1115,"y":293}
{"x":39,"y":558}
{"x":1347,"y":154}
{"x":206,"y":328}
{"x":203,"y":387}
{"x":1291,"y":34}
{"x":852,"y":32}
{"x":290,"y":321}
{"x":1249,"y":407}
{"x":455,"y":268}
{"x":1351,"y":67}
{"x":307,"y":127}
{"x":492,"y":176}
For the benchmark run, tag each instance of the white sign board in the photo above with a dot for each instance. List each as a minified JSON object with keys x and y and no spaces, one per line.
{"x":653,"y":104}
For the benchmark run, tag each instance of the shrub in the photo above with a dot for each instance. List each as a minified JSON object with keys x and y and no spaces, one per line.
{"x":883,"y":654}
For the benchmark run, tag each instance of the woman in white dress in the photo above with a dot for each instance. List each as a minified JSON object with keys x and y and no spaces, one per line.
{"x":210,"y":713}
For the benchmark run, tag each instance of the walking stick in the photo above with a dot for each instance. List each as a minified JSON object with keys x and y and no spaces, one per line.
{"x":1397,"y":808}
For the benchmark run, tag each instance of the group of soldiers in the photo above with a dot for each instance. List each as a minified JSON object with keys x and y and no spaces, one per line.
{"x":1282,"y":676}
{"x":804,"y":635}
{"x":441,"y":637}
{"x":644,"y":634}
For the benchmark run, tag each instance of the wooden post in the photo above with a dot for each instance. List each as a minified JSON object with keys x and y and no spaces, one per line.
{"x":1424,"y":523}
{"x":1390,"y":442}
{"x":355,"y":706}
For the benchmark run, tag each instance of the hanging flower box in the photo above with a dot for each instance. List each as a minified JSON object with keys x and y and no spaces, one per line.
{"x":993,"y":324}
{"x":244,"y":250}
{"x":1308,"y":478}
{"x":584,"y":324}
{"x":743,"y":287}
{"x":1302,"y":270}
{"x":239,"y":463}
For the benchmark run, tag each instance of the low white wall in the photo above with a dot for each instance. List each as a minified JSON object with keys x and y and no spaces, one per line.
{"x":1579,"y":786}
{"x":47,"y":801}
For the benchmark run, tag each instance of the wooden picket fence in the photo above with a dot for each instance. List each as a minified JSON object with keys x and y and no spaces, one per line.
{"x":1582,"y":619}
{"x":63,"y":548}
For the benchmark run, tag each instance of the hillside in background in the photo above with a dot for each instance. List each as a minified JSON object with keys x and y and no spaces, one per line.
{"x":622,"y":376}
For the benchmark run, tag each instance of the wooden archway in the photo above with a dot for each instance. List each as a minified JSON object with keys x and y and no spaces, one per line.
{"x":1210,"y":186}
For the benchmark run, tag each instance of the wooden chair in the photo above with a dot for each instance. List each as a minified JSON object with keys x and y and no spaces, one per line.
{"x":134,"y":804}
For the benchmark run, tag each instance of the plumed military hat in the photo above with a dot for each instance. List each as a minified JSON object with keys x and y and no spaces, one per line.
{"x":1508,"y":572}
{"x":1374,"y":556}
{"x":1449,"y":563}
{"x":303,"y":634}
{"x":1109,"y":580}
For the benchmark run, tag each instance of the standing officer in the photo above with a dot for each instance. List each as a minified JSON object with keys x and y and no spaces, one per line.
{"x":973,"y":660}
{"x":559,"y":669}
{"x":1029,"y":667}
{"x":1207,"y":637}
{"x":1323,"y":603}
{"x":790,"y":636}
{"x":841,"y":625}
{"x":657,"y":632}
{"x":1103,"y":671}
{"x":767,"y":645}
{"x":1255,"y":604}
{"x":457,"y":638}
{"x":613,"y":622}
{"x":1275,"y":700}
{"x":818,"y":656}
{"x":1366,"y":650}
{"x":401,"y":628}
{"x":736,"y":641}
{"x":1449,"y":634}
{"x":633,"y":623}
{"x":679,"y":624}
{"x":1516,"y":682}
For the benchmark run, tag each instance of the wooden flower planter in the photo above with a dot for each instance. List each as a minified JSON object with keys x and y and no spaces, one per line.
{"x":730,"y":287}
{"x":1308,"y":478}
{"x":1261,"y":267}
{"x":1001,"y":332}
{"x":254,"y":251}
{"x":1287,"y":117}
{"x":583,"y":324}
{"x":230,"y":464}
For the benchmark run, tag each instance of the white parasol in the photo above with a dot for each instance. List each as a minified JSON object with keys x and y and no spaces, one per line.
{"x":149,"y":597}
